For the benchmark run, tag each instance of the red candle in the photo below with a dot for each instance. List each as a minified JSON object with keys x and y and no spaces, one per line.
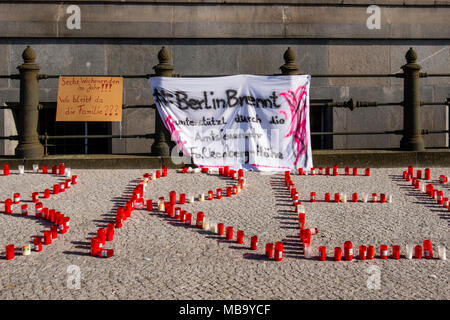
{"x":355,"y":197}
{"x":347,"y":171}
{"x":383,"y":251}
{"x":8,"y":206}
{"x":55,"y":188}
{"x":24,"y":208}
{"x":110,"y":232}
{"x":337,"y":254}
{"x":427,"y":174}
{"x":228,"y":191}
{"x":362,"y":252}
{"x":173,"y":197}
{"x":54,"y":168}
{"x":101,"y":235}
{"x":183,"y":216}
{"x":411,"y":170}
{"x":220,"y":228}
{"x":188,"y":218}
{"x":44,"y":169}
{"x":35,"y":197}
{"x":62,"y":186}
{"x":240,"y":237}
{"x":38,"y":209}
{"x":67,"y":183}
{"x":149,"y":205}
{"x":164,"y":171}
{"x":301,"y":220}
{"x":229,"y":233}
{"x":374,"y":197}
{"x":418,"y":252}
{"x":382,"y":198}
{"x":221,"y":171}
{"x":312,"y":197}
{"x":219,"y":193}
{"x":253,"y":243}
{"x":419,"y":174}
{"x":106,"y":253}
{"x":16,"y":198}
{"x":428,"y":249}
{"x":200,"y":216}
{"x":327,"y":197}
{"x":47,"y":237}
{"x":367,"y":172}
{"x":327,"y":171}
{"x":118,"y":221}
{"x":269,"y":250}
{"x":54,"y":232}
{"x":95,"y":246}
{"x":370,"y":252}
{"x":6,"y":169}
{"x":182,"y":198}
{"x":62,"y":169}
{"x":9,"y":250}
{"x":337,"y":197}
{"x":37,"y":241}
{"x":348,"y":251}
{"x":278,"y":251}
{"x":322,"y":253}
{"x":74,"y":179}
{"x":396,"y":252}
{"x":210,"y":195}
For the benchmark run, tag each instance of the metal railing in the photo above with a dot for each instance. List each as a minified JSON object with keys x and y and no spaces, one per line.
{"x":30,"y":142}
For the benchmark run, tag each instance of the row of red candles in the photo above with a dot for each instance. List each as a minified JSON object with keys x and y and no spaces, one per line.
{"x":60,"y":221}
{"x":60,"y":169}
{"x":365,"y":252}
{"x":337,"y":197}
{"x":335,"y":172}
{"x":429,"y":188}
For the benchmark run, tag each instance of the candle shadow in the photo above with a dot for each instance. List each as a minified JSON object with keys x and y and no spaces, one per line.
{"x":255,"y":256}
{"x":77,"y":253}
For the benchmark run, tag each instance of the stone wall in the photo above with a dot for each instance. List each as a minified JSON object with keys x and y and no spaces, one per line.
{"x":218,"y":38}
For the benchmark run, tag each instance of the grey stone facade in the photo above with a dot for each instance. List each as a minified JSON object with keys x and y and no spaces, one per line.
{"x":246,"y":37}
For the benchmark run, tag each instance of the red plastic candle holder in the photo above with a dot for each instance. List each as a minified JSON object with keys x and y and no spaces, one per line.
{"x":348,"y":251}
{"x":396,"y":252}
{"x":355,"y":197}
{"x":312,"y":197}
{"x":362,"y":252}
{"x":370,"y":252}
{"x":8,"y":206}
{"x":149,"y":205}
{"x":254,"y":243}
{"x":427,"y":249}
{"x":6,"y":169}
{"x":337,"y":254}
{"x":240,"y":237}
{"x":327,"y":197}
{"x":367,"y":172}
{"x":427,"y":174}
{"x":383,"y":251}
{"x":9,"y":250}
{"x":278,"y":251}
{"x":229,"y":233}
{"x":322,"y":253}
{"x":199,"y":220}
{"x":418,"y":252}
{"x":182,"y":198}
{"x":269,"y":250}
{"x":47,"y":237}
{"x":37,"y":242}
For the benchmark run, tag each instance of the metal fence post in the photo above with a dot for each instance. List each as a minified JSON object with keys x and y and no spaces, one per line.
{"x":29,"y":144}
{"x":289,"y":67}
{"x":412,"y":137}
{"x":162,"y":145}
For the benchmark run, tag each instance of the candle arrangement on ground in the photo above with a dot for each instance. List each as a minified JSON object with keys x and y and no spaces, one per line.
{"x":60,"y":222}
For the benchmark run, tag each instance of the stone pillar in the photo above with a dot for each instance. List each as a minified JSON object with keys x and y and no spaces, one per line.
{"x":163,"y":144}
{"x":412,"y":137}
{"x":29,"y":145}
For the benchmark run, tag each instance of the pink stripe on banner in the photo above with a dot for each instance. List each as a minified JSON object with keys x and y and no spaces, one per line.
{"x":261,"y":165}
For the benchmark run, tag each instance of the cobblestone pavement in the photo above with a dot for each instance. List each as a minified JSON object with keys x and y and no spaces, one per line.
{"x":157,"y":257}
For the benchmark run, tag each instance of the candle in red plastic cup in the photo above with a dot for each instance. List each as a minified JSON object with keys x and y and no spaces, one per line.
{"x":419,"y":174}
{"x":38,"y":207}
{"x":278,"y":251}
{"x":10,"y":251}
{"x":44,"y":169}
{"x":110,"y":232}
{"x":418,"y":252}
{"x":370,"y":252}
{"x":327,"y":197}
{"x":188,"y":219}
{"x":367,"y":172}
{"x":219,"y":193}
{"x":149,"y":205}
{"x":240,"y":237}
{"x":199,"y":220}
{"x":337,"y":197}
{"x":229,"y":233}
{"x":374,"y":197}
{"x":106,"y":253}
{"x":348,"y":251}
{"x":24,"y":209}
{"x":183,"y":216}
{"x":95,"y":246}
{"x":177,"y":213}
{"x":16,"y":198}
{"x":312,"y":197}
{"x":35,"y":196}
{"x":254,"y":243}
{"x":411,"y":170}
{"x":101,"y":235}
{"x":55,"y":188}
{"x":47,"y":237}
{"x":67,"y":183}
{"x":396,"y":252}
{"x":427,"y":174}
{"x":37,"y":241}
{"x":74,"y":179}
{"x":228,"y":191}
{"x":62,"y":169}
{"x":327,"y":171}
{"x":322,"y":253}
{"x":362,"y":252}
{"x":54,"y":232}
{"x":220,"y":229}
{"x":62,"y":186}
{"x":8,"y":206}
{"x":182,"y":198}
{"x":427,"y":249}
{"x":269,"y":250}
{"x":355,"y":197}
{"x":6,"y":169}
{"x":337,"y":254}
{"x":158,"y":174}
{"x":347,"y":171}
{"x":54,"y":169}
{"x":383,"y":251}
{"x":173,"y":197}
{"x":382,"y":198}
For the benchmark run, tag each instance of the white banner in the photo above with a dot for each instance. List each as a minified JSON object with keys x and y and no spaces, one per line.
{"x":258,"y":123}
